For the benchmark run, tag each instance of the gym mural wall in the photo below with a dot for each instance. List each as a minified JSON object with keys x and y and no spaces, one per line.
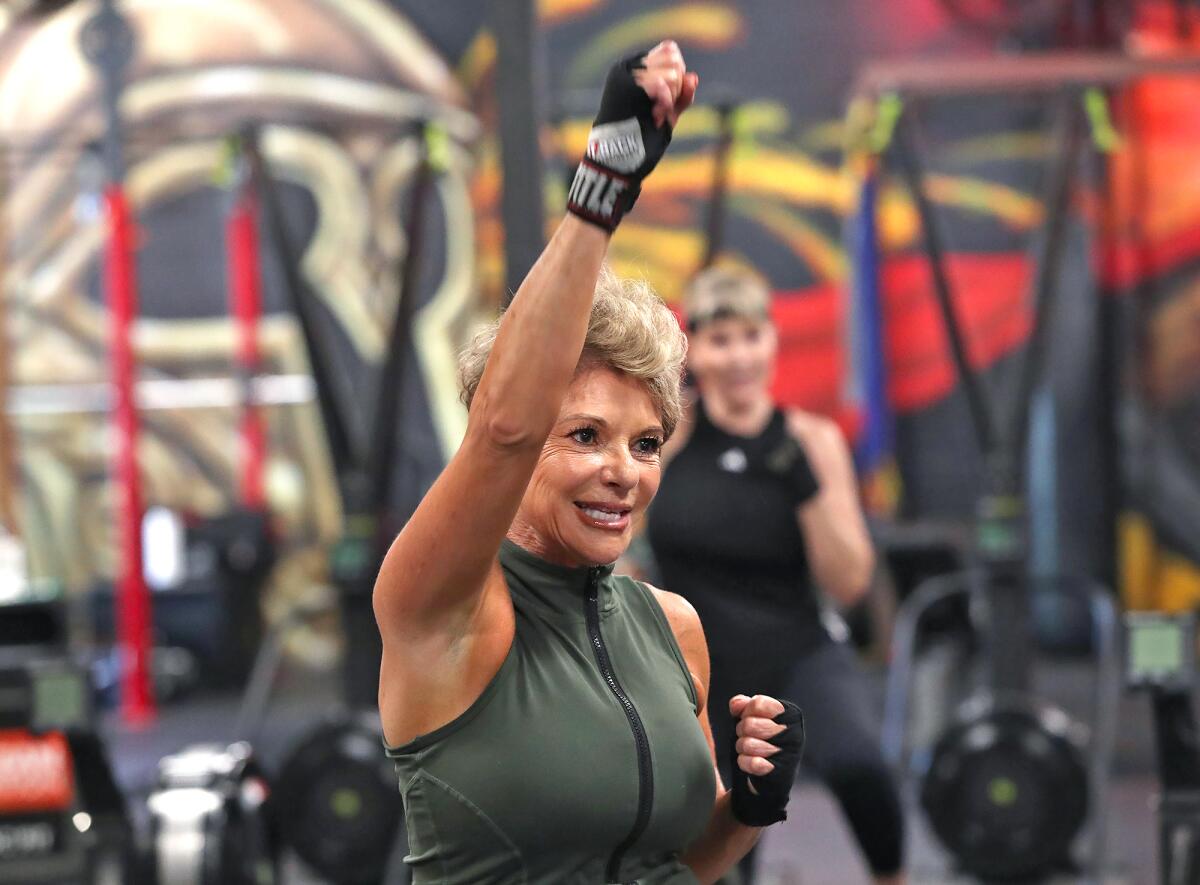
{"x":335,"y":87}
{"x":1127,"y":307}
{"x":333,"y":83}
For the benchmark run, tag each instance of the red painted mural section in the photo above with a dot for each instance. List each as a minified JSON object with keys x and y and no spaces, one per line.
{"x":991,"y":299}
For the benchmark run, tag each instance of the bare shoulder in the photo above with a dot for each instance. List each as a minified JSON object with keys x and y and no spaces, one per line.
{"x":816,"y":433}
{"x":803,"y":424}
{"x":680,"y":613}
{"x":685,"y":624}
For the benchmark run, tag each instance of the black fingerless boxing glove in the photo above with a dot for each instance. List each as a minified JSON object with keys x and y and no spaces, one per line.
{"x":768,"y":803}
{"x":623,"y":146}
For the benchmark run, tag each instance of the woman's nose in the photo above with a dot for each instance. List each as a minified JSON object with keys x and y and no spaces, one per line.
{"x":620,"y":469}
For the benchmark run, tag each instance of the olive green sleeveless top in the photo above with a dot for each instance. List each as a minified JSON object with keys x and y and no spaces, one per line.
{"x":581,"y":762}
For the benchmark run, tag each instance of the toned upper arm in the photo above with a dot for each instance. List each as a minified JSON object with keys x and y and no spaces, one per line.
{"x":431,"y":580}
{"x":431,"y":576}
{"x":689,"y":634}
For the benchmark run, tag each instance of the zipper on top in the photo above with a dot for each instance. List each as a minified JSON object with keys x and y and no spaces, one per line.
{"x":645,"y":773}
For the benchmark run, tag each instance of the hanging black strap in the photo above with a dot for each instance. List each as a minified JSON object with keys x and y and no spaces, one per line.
{"x":330,"y":396}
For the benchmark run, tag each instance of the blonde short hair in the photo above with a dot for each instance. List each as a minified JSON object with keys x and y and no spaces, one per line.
{"x":630,"y":329}
{"x":722,"y":292}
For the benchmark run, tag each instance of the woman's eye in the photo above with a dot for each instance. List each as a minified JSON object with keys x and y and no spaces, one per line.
{"x":584,"y":435}
{"x":648,"y":445}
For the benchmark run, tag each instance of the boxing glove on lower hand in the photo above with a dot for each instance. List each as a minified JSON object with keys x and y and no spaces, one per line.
{"x":760,"y":800}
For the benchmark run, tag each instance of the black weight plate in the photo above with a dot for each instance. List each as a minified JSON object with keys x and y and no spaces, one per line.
{"x":337,"y":803}
{"x":1006,"y":795}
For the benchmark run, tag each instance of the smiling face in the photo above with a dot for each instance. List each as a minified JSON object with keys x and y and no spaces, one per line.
{"x":732,"y":359}
{"x":598,"y":471}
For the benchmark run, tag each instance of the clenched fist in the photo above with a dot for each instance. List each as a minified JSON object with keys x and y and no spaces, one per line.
{"x":767,"y":746}
{"x":643,"y":98}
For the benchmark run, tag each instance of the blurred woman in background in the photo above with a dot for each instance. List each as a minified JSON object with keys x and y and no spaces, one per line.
{"x":757,"y":513}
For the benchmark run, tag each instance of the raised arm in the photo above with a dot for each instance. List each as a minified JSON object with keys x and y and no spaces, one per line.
{"x":432,"y":578}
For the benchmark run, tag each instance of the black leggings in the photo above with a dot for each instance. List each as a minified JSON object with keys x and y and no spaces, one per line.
{"x":842,"y":748}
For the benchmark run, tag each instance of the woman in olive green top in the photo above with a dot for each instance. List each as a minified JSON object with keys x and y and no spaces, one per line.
{"x":547,"y":718}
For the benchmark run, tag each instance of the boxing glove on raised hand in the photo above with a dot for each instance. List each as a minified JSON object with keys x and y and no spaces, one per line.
{"x":624,"y":145}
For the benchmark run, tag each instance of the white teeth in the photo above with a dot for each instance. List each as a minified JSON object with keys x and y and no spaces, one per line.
{"x":602,"y":515}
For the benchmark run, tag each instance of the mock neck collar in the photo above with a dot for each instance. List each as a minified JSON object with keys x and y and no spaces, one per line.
{"x":561,"y":589}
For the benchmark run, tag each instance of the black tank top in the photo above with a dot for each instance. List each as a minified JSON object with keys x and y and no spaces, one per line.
{"x":724,"y":533}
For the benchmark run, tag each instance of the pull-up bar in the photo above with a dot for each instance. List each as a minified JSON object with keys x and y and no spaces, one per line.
{"x":1028,"y":72}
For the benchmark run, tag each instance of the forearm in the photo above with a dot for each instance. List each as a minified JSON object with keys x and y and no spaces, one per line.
{"x":839,"y":545}
{"x":724,"y":842}
{"x":541,"y":337}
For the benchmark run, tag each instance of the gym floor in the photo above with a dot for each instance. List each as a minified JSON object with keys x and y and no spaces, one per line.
{"x":813,"y":847}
